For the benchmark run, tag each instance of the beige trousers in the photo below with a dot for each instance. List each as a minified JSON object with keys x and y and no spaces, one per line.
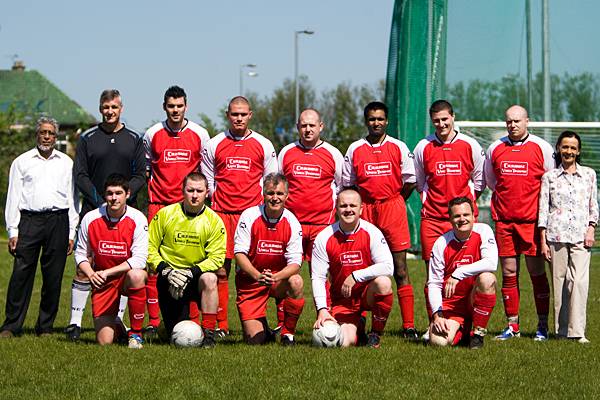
{"x":571,"y":278}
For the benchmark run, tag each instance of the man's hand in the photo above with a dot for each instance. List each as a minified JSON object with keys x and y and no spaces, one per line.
{"x":70,"y":248}
{"x":178,"y":280}
{"x":12,"y":245}
{"x":589,"y":239}
{"x":322,"y":317}
{"x":347,"y":286}
{"x":98,"y":279}
{"x":450,"y":287}
{"x":546,"y":251}
{"x":439,"y":325}
{"x":265,"y":278}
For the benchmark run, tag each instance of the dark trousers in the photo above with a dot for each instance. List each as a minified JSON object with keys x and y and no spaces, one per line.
{"x":48,"y":232}
{"x":174,"y":311}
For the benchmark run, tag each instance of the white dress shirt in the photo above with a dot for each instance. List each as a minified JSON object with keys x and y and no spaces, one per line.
{"x":38,"y":184}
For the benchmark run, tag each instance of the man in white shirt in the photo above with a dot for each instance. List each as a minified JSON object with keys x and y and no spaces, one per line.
{"x":40,"y":215}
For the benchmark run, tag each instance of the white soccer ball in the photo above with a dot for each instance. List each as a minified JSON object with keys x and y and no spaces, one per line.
{"x":328,"y":335}
{"x":187,"y":334}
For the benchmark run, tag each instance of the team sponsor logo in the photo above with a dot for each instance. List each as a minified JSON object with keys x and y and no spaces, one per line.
{"x":448,"y":168}
{"x":306,"y":171}
{"x":175,"y":156}
{"x":187,"y":238}
{"x":237,"y":163}
{"x":518,"y":168}
{"x":465,"y":260}
{"x":378,"y":169}
{"x":351,"y":258}
{"x":270,"y":247}
{"x":112,"y":249}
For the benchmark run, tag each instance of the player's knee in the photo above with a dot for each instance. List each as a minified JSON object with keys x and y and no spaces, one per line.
{"x":486,"y":282}
{"x":208,"y":281}
{"x":137,"y":278}
{"x":296,"y":285}
{"x":382,"y":285}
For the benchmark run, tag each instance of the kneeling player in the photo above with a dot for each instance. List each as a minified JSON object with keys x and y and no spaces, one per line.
{"x":187,"y":245}
{"x":360,"y":264}
{"x":114,"y":238}
{"x":462,"y":284}
{"x":268,"y":253}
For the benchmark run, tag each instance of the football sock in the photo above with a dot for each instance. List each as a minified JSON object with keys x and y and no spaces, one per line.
{"x":426,"y":292}
{"x":280,"y":313}
{"x":137,"y":305}
{"x":223,"y":290}
{"x":406,"y":300}
{"x":541,"y":293}
{"x":510,"y":297}
{"x":483,"y":304}
{"x":292,"y":309}
{"x":152,"y":301}
{"x":79,"y":295}
{"x":194,"y":313}
{"x":209,"y":320}
{"x":380,"y":311}
{"x":122,"y":306}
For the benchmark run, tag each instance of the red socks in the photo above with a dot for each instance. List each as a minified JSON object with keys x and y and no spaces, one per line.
{"x":380,"y":311}
{"x":280,"y":313}
{"x":406,"y":300}
{"x":483,"y":304}
{"x":136,"y":304}
{"x":209,"y":320}
{"x":194,"y":313}
{"x":152,"y":301}
{"x":292,"y":309}
{"x":510,"y":295}
{"x":223,"y":290}
{"x":541,"y":293}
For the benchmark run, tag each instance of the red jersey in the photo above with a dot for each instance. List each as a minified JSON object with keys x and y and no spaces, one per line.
{"x":170,"y":156}
{"x":269,"y":244}
{"x":447,"y":170}
{"x":463,"y":261}
{"x":314,"y":177}
{"x":363,"y":253}
{"x":379,"y":170}
{"x":513,"y":171}
{"x":111,"y":242}
{"x":234,"y":168}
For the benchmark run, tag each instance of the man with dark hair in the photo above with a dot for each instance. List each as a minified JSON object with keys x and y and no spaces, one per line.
{"x":41,"y":215}
{"x":107,"y":148}
{"x":234,"y":162}
{"x":173,"y":149}
{"x":112,"y":248}
{"x":186,"y":246}
{"x":461,"y":280}
{"x":382,"y":168}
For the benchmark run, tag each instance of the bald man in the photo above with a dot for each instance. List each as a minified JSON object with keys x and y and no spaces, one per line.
{"x":513,"y":168}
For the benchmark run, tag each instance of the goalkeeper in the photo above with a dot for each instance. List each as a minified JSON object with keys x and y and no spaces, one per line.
{"x":186,"y":246}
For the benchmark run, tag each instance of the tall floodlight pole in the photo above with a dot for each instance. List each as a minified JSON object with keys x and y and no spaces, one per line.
{"x":251,"y":73}
{"x":529,"y":56}
{"x":297,"y":84}
{"x":546,"y":66}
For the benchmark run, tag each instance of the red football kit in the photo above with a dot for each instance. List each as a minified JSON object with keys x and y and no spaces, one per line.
{"x":109,"y":243}
{"x":445,"y":171}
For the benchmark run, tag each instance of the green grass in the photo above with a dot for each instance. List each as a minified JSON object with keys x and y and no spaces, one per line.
{"x":53,"y":368}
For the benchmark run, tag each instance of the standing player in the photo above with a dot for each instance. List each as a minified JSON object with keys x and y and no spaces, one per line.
{"x":268,"y":254}
{"x":234,"y":163}
{"x":173,"y":149}
{"x":462,"y":284}
{"x":382,"y":168}
{"x":356,"y":256}
{"x":187,"y":245}
{"x":102,"y":150}
{"x":112,"y":248}
{"x":448,"y":164}
{"x":514,"y":167}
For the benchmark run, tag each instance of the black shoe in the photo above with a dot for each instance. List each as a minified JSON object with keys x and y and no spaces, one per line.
{"x":209,"y":340}
{"x":150,"y":333}
{"x":221,"y":333}
{"x":73,"y":332}
{"x":410,"y":334}
{"x":374,"y":340}
{"x":277,"y":330}
{"x":476,"y":342}
{"x":287,"y":340}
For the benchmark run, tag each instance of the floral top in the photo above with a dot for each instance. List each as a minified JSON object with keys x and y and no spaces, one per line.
{"x":568,"y":203}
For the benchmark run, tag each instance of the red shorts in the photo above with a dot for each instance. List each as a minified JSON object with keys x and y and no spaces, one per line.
{"x":348,"y":310}
{"x":431,"y":230}
{"x":390,"y":217}
{"x":309,"y":234}
{"x":459,"y":307}
{"x":516,"y":238}
{"x":153,"y":208}
{"x":230,"y":221}
{"x":252,"y":298}
{"x":105,"y":301}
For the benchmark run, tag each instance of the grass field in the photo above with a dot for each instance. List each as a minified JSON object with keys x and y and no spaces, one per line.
{"x":52,"y":368}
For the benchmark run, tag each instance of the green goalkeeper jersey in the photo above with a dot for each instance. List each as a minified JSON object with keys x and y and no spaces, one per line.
{"x":183,"y":240}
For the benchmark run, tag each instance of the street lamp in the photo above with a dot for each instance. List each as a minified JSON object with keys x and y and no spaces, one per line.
{"x":297,"y":100}
{"x":249,"y":73}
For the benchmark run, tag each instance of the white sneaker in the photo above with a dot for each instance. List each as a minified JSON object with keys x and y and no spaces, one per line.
{"x":135,"y":342}
{"x":425,"y":336}
{"x":583,"y":340}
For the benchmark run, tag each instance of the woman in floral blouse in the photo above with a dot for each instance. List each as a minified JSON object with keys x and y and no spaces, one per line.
{"x":567,"y":220}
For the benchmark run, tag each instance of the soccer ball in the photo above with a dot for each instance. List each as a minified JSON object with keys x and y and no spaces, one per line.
{"x":187,"y":334}
{"x":328,"y":335}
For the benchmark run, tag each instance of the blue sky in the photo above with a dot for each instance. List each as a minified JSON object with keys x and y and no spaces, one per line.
{"x":142,"y":47}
